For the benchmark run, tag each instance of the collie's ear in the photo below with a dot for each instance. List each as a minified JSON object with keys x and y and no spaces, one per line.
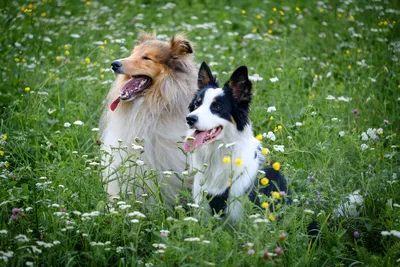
{"x":205,"y":77}
{"x":240,"y":85}
{"x":145,"y":36}
{"x":180,"y":46}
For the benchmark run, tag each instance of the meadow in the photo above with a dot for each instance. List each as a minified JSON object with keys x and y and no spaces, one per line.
{"x":326,"y":83}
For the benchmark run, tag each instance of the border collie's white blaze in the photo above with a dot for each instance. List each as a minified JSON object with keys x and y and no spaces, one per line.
{"x":221,"y":116}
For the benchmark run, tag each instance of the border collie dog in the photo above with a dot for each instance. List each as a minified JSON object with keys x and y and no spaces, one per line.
{"x":220,"y":127}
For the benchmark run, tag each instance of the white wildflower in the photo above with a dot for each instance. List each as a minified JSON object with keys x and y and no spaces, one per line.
{"x":255,"y":78}
{"x":67,"y":125}
{"x":79,"y":123}
{"x":364,"y":136}
{"x":280,"y":148}
{"x":330,"y":97}
{"x":341,"y":133}
{"x":191,"y":219}
{"x":343,"y":98}
{"x":192,"y":239}
{"x":206,"y":241}
{"x":299,"y":124}
{"x":271,"y":109}
{"x":270,"y":135}
{"x":274,"y":80}
{"x":308,"y":211}
{"x":160,"y":245}
{"x":134,"y":221}
{"x":140,"y":162}
{"x":364,"y":146}
{"x":136,"y":214}
{"x":136,"y":147}
{"x":3,"y":232}
{"x":261,"y":220}
{"x":193,"y":205}
{"x":95,"y":129}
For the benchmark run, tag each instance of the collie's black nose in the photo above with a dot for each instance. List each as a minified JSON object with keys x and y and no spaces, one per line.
{"x":191,"y":120}
{"x":116,"y":65}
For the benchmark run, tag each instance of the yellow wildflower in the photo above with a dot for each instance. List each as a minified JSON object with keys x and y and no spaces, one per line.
{"x":315,"y":76}
{"x":6,"y":164}
{"x":271,"y":118}
{"x":43,"y":14}
{"x":243,"y":11}
{"x":271,"y":21}
{"x":254,"y":30}
{"x":349,"y":66}
{"x":23,"y":60}
{"x":339,"y":15}
{"x":276,"y":166}
{"x":67,"y":52}
{"x":276,"y":195}
{"x":4,"y":137}
{"x":101,"y":69}
{"x":385,"y":23}
{"x":258,"y":16}
{"x":58,"y":58}
{"x":264,"y":205}
{"x":351,"y":17}
{"x":274,"y":9}
{"x":279,"y":127}
{"x":102,"y":76}
{"x":87,"y":60}
{"x":16,"y":59}
{"x":321,"y":10}
{"x":105,"y":42}
{"x":259,"y":137}
{"x":281,"y":12}
{"x":27,"y":89}
{"x":264,"y":181}
{"x":238,"y":161}
{"x":297,"y":9}
{"x":1,"y":153}
{"x":271,"y":217}
{"x":88,"y":3}
{"x":264,"y":151}
{"x":226,"y":159}
{"x":270,"y":31}
{"x":347,"y":51}
{"x":101,"y":47}
{"x":358,"y":50}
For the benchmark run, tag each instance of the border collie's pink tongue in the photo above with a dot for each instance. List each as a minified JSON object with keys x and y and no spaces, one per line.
{"x":198,"y":140}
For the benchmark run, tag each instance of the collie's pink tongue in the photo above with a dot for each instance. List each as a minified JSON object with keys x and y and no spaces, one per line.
{"x":114,"y":104}
{"x":198,"y":140}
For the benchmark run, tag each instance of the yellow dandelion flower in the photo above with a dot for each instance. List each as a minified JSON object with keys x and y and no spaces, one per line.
{"x":271,"y":217}
{"x":264,"y":205}
{"x":276,"y":166}
{"x":6,"y":164}
{"x":258,"y":16}
{"x":393,"y":22}
{"x":23,"y":60}
{"x":271,"y":118}
{"x":271,"y":21}
{"x":27,"y":89}
{"x":281,"y":12}
{"x":238,"y":161}
{"x":276,"y":129}
{"x":101,"y":47}
{"x":398,"y":86}
{"x":105,"y":42}
{"x":351,"y":17}
{"x":297,"y":9}
{"x":339,"y":15}
{"x":43,"y":14}
{"x":4,"y":138}
{"x":315,"y":76}
{"x":274,"y":9}
{"x":101,"y":69}
{"x":16,"y":59}
{"x":279,"y":127}
{"x":66,"y":46}
{"x":349,"y":66}
{"x":276,"y":195}
{"x":385,"y":23}
{"x":67,"y":52}
{"x":254,"y":30}
{"x":264,"y":151}
{"x":243,"y":11}
{"x":347,"y":51}
{"x":1,"y":153}
{"x":264,"y":181}
{"x":321,"y":10}
{"x":87,"y":60}
{"x":270,"y":31}
{"x":58,"y":59}
{"x":259,"y":137}
{"x":88,"y":3}
{"x":226,"y":159}
{"x":102,"y":76}
{"x":358,"y":50}
{"x":380,"y":23}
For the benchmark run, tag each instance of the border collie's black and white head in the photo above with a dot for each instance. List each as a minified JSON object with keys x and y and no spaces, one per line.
{"x":216,"y":112}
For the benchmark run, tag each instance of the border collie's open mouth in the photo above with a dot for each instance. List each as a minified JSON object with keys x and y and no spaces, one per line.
{"x":131,"y":88}
{"x":201,"y":137}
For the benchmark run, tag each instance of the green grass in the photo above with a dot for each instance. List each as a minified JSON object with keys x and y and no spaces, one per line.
{"x":338,"y":48}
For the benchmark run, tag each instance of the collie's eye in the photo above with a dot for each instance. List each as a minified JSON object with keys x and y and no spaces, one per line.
{"x":216,"y":107}
{"x":146,"y":58}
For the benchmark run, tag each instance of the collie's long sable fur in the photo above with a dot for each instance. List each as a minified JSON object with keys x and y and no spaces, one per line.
{"x":220,"y":116}
{"x":149,"y":100}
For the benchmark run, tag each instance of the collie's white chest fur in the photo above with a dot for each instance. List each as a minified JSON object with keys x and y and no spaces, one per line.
{"x":217,"y":176}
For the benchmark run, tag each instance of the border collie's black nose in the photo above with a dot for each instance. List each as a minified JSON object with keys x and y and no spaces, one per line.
{"x":116,"y":65}
{"x":191,"y":120}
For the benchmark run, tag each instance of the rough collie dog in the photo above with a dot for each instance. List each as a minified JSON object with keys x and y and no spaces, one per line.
{"x":148,"y":101}
{"x":220,"y":126}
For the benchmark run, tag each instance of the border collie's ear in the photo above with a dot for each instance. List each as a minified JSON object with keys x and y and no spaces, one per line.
{"x":180,"y":46}
{"x":240,"y":85}
{"x":205,"y":77}
{"x":144,"y":36}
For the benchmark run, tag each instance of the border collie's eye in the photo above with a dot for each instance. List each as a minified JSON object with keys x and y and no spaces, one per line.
{"x":216,"y":107}
{"x":146,"y":58}
{"x":196,"y":105}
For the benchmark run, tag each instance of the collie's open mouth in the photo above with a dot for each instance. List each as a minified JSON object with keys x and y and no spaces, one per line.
{"x":201,"y":137}
{"x":131,"y":88}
